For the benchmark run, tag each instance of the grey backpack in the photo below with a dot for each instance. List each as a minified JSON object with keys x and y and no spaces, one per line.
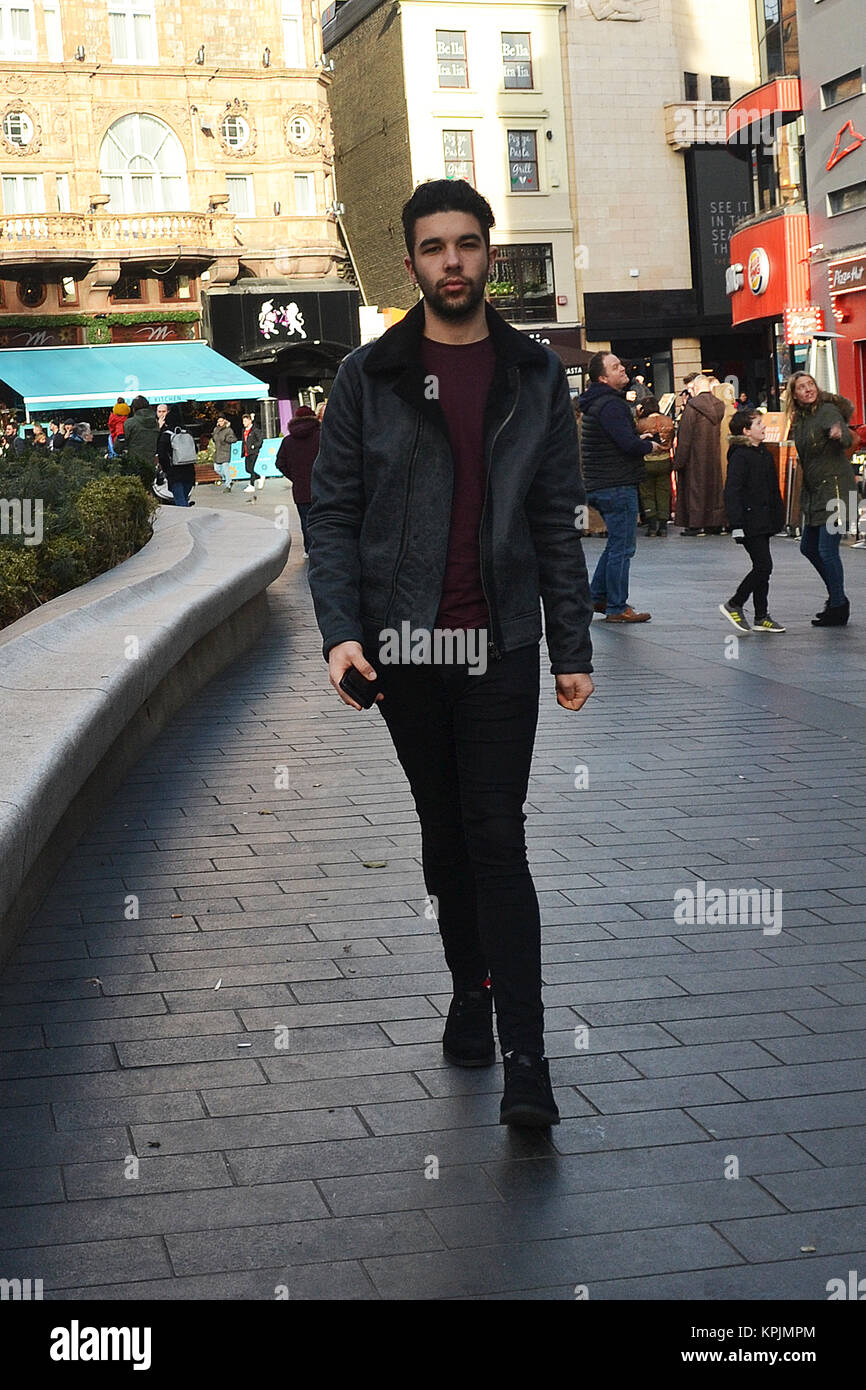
{"x":183,"y":450}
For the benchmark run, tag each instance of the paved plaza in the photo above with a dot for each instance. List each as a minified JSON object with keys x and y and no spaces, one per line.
{"x":240,"y":1092}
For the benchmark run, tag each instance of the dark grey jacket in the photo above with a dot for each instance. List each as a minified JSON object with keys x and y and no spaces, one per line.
{"x":382,"y":487}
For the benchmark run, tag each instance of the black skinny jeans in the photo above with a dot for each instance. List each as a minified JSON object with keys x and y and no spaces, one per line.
{"x":465,"y":743}
{"x":757,"y":581}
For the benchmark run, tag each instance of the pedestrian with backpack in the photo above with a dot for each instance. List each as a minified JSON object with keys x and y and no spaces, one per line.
{"x":176,"y":451}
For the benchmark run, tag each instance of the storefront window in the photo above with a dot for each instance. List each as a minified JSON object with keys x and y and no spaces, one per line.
{"x":779,"y":169}
{"x":521,"y":285}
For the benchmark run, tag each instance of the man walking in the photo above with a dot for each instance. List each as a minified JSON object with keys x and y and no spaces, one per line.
{"x":444,"y":500}
{"x":613,"y":453}
{"x":698,"y":462}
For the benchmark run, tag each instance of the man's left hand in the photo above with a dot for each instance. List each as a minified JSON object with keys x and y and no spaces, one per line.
{"x":572,"y":692}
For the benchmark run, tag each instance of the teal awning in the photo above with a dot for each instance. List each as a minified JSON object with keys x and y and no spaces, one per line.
{"x":73,"y":378}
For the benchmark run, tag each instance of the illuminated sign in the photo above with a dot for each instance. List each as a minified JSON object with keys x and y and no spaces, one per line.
{"x":759,"y":270}
{"x":803,"y":323}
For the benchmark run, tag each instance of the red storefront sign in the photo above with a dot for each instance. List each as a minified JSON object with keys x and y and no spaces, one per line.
{"x":775,"y":276}
{"x":801,"y":325}
{"x":158,"y":332}
{"x":65,"y":335}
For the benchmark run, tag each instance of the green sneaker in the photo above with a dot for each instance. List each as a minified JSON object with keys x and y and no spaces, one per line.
{"x":768,"y":625}
{"x":735,"y":616}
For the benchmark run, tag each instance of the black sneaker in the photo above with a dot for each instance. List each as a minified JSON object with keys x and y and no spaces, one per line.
{"x":468,"y":1037}
{"x":528,"y":1097}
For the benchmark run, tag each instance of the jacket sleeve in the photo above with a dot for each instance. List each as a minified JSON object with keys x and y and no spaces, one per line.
{"x":615,"y":415}
{"x":163,"y":451}
{"x":556,"y":492}
{"x":735,"y":490}
{"x":335,"y":516}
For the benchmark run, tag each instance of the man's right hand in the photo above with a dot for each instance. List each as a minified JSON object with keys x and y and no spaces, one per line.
{"x":340,"y":658}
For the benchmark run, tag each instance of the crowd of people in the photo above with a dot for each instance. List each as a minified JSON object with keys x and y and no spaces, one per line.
{"x":726,"y":481}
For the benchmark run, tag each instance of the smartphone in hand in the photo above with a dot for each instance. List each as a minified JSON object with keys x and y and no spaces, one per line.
{"x":359,"y":689}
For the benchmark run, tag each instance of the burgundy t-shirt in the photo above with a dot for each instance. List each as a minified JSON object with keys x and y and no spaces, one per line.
{"x":464,"y":373}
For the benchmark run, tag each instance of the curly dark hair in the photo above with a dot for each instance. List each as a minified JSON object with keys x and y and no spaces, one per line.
{"x":446,"y":195}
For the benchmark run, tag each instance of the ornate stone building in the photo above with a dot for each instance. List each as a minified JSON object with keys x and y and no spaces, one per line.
{"x":152,"y":152}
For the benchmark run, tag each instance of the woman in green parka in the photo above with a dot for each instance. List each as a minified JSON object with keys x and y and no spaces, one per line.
{"x":819,"y":430}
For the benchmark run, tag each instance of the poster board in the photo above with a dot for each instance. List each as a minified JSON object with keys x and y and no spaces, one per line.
{"x":266,"y":465}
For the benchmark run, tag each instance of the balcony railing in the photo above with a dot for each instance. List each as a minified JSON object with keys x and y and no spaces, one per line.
{"x":108,"y":231}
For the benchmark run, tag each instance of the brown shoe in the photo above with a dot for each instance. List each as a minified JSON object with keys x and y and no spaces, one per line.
{"x":600,"y":607}
{"x":628,"y":616}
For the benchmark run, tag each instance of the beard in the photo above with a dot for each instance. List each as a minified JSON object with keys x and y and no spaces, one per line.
{"x":453,"y":305}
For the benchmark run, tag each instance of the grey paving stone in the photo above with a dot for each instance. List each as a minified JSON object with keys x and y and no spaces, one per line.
{"x":829,"y":1187}
{"x":81,"y":1265}
{"x":715,"y":1057}
{"x":102,"y":1114}
{"x":208,"y":1209}
{"x":839,"y":1232}
{"x":187,"y":1172}
{"x":34,"y":1185}
{"x":808,"y":1078}
{"x":148,"y":1026}
{"x":302,"y":1242}
{"x":468,"y":1273}
{"x":672,"y":1092}
{"x":784,"y":1116}
{"x":27,"y":1150}
{"x":834,"y":1147}
{"x":701,"y":1031}
{"x":644,"y":1168}
{"x":207,"y":1135}
{"x":825,"y":1048}
{"x":313,"y":1095}
{"x":457,"y":1188}
{"x":340,"y":1280}
{"x":802,"y":1279}
{"x":56,"y":1062}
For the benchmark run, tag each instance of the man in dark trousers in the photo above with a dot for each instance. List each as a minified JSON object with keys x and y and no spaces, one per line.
{"x":295,"y":458}
{"x":446,"y":501}
{"x":612,"y":453}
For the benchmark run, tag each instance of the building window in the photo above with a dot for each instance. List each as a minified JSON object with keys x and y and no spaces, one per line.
{"x":61,"y":192}
{"x":690,"y":86}
{"x":851,"y":85}
{"x":18,"y":128}
{"x":53,"y":30}
{"x":176,"y":287}
{"x":523,"y":161}
{"x":459,"y":151}
{"x":521,"y":284}
{"x":849,"y":199}
{"x":300,"y":130}
{"x":777,"y":38}
{"x":23,"y":193}
{"x":142,"y":166}
{"x":17,"y":29}
{"x":305,"y":193}
{"x":31,"y":291}
{"x":132,"y":25}
{"x":240,"y":190}
{"x":236,"y":132}
{"x":127,"y":289}
{"x":517,"y":60}
{"x":67,"y":291}
{"x":451,"y":58}
{"x":720,"y":88}
{"x":293,"y":33}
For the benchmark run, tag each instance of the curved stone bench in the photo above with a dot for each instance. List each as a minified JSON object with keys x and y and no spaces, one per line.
{"x":89,"y":679}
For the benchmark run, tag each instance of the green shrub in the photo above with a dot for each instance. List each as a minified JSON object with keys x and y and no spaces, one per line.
{"x":96,"y":512}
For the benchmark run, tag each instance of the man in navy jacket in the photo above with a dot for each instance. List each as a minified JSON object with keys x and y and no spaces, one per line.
{"x":612,"y":452}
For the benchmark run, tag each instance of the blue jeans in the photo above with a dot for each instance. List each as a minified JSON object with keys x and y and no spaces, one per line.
{"x":180,"y":492}
{"x":619,"y":508}
{"x":821,"y":549}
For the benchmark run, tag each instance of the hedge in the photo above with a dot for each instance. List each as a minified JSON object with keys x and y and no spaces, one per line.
{"x":94,"y":514}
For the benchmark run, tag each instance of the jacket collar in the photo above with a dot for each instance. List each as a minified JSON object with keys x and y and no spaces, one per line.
{"x":401,"y":345}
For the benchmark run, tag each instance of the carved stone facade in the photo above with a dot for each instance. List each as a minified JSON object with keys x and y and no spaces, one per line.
{"x":212,"y":92}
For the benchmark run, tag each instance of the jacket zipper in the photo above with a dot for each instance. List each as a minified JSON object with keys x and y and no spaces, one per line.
{"x":403,"y":535}
{"x":492,"y":647}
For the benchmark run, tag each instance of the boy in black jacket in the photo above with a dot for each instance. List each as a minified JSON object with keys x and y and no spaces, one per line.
{"x":754,"y":506}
